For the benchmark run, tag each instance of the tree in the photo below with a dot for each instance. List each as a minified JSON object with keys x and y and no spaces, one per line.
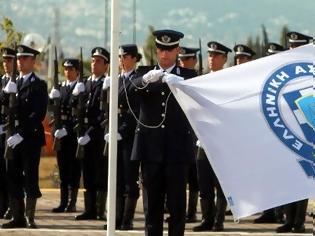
{"x":12,"y":36}
{"x":283,"y":36}
{"x":149,"y":48}
{"x":265,"y":40}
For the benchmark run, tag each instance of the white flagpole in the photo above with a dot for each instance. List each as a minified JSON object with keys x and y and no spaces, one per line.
{"x":113,"y":108}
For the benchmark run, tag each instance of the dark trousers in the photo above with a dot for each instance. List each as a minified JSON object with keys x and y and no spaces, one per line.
{"x":23,"y":170}
{"x":193,"y":178}
{"x":160,"y":180}
{"x":69,"y":166}
{"x":94,"y":164}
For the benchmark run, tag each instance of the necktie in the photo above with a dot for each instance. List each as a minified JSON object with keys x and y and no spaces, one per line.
{"x":20,"y":82}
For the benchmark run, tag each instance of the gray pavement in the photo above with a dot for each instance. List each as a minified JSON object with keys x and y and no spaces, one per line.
{"x":63,"y":224}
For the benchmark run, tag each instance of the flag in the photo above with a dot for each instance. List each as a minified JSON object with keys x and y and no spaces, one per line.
{"x":255,"y":122}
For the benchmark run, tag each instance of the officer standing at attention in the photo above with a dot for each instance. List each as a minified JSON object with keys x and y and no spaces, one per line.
{"x":32,"y":99}
{"x":8,"y":55}
{"x":163,"y":140}
{"x":295,"y":212}
{"x":213,"y":214}
{"x":272,"y":215}
{"x":94,"y":163}
{"x":243,"y":54}
{"x":69,"y":166}
{"x":188,"y":59}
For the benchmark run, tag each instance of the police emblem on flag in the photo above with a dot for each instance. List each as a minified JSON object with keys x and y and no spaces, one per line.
{"x":300,"y":101}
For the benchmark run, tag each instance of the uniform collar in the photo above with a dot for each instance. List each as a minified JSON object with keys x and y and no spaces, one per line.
{"x":168,"y":69}
{"x":127,"y":74}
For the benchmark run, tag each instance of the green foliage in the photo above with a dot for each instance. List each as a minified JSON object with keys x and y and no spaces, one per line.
{"x":149,"y":48}
{"x":12,"y":36}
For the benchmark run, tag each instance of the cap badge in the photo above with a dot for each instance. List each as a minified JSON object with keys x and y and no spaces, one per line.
{"x":294,"y":36}
{"x":213,"y":46}
{"x":240,"y":49}
{"x":166,"y":39}
{"x":20,"y":49}
{"x":272,"y":47}
{"x":98,"y":51}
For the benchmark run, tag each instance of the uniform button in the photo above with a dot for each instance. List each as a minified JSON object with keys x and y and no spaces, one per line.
{"x":136,"y":90}
{"x":162,"y":126}
{"x":120,"y":105}
{"x":163,"y":93}
{"x":147,"y":90}
{"x":138,"y":129}
{"x":163,"y":104}
{"x":162,"y":114}
{"x":120,"y":115}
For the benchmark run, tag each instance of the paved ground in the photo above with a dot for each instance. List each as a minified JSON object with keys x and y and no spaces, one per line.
{"x":64,"y":224}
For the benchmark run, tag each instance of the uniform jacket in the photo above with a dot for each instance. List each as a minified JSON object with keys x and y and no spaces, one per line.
{"x":173,"y":140}
{"x":32,"y":99}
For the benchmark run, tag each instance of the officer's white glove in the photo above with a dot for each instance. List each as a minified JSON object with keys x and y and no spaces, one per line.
{"x":171,"y":79}
{"x":2,"y":129}
{"x":79,"y":88}
{"x":106,"y":137}
{"x":83,"y":140}
{"x":106,"y":83}
{"x":60,"y":133}
{"x":198,"y":144}
{"x":10,"y":87}
{"x":152,"y":76}
{"x":14,"y":140}
{"x":54,"y":93}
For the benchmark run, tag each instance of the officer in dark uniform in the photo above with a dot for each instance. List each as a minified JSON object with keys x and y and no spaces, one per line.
{"x":94,"y":163}
{"x":272,"y":215}
{"x":68,"y":164}
{"x":296,"y":211}
{"x":32,"y":99}
{"x":273,"y":48}
{"x":8,"y":55}
{"x":188,"y":59}
{"x":213,"y":214}
{"x":243,"y":54}
{"x":163,"y":139}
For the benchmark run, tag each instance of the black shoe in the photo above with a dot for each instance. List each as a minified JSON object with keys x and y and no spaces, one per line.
{"x":86,"y":216}
{"x":31,"y":224}
{"x":191,"y":218}
{"x":228,"y":213}
{"x":8,"y":214}
{"x":263,"y":219}
{"x":19,"y":223}
{"x":126,"y":227}
{"x":286,"y":228}
{"x":298,"y":229}
{"x":58,"y":209}
{"x":204,"y":226}
{"x":218,"y":227}
{"x":103,"y":218}
{"x":71,"y":209}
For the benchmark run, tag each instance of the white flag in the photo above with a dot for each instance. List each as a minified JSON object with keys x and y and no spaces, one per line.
{"x":256,"y":123}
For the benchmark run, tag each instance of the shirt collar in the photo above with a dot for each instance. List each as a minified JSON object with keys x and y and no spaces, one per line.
{"x":168,"y":69}
{"x":26,"y":77}
{"x":127,"y":74}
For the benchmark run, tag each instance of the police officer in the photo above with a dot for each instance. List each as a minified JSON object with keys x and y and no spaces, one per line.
{"x":8,"y":55}
{"x":243,"y":54}
{"x":68,"y":164}
{"x":273,"y":48}
{"x":93,"y":163}
{"x":295,"y":212}
{"x":26,"y":143}
{"x":213,"y":214}
{"x":188,"y":59}
{"x":273,"y":215}
{"x":163,"y":140}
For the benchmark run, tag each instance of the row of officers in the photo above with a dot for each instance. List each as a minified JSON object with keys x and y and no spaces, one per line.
{"x":154,"y":139}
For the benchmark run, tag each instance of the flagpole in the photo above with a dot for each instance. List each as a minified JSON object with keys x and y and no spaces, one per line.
{"x":113,"y":108}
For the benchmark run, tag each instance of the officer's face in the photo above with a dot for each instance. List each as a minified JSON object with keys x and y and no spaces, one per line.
{"x":127,"y":62}
{"x":242,"y":59}
{"x":71,"y":73}
{"x":167,"y":58}
{"x":216,"y":61}
{"x":25,"y":64}
{"x":98,"y":66}
{"x":7,"y":65}
{"x":189,"y":63}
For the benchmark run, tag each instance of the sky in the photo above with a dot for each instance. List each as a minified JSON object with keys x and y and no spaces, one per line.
{"x":82,"y":22}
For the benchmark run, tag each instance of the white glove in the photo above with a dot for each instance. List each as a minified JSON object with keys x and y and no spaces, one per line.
{"x":198,"y":144}
{"x":10,"y":87}
{"x":171,"y":79}
{"x":152,"y":76}
{"x":54,"y":93}
{"x":79,"y":88}
{"x":106,"y":137}
{"x":14,"y":140}
{"x":106,"y":83}
{"x":60,"y":133}
{"x":1,"y":129}
{"x":83,"y":140}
